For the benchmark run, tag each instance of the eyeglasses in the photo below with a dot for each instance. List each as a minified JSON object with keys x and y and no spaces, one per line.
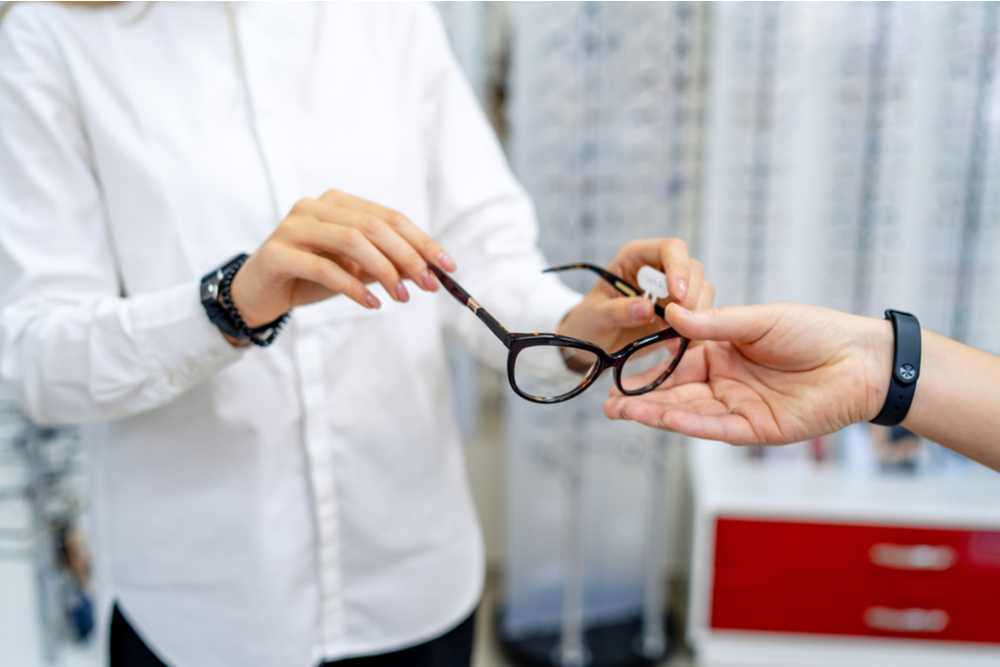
{"x":549,"y":368}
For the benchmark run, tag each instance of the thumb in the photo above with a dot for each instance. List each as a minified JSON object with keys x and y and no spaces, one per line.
{"x":738,"y":324}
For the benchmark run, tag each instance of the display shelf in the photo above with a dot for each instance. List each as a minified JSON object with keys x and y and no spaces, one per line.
{"x":728,"y":485}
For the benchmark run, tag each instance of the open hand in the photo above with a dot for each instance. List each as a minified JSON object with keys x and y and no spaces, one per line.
{"x":771,"y":374}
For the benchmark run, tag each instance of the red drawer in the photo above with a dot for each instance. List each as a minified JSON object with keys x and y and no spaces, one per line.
{"x":750,"y":543}
{"x":787,"y":576}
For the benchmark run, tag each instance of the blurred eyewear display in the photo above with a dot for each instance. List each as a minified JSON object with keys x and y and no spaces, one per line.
{"x":549,"y":368}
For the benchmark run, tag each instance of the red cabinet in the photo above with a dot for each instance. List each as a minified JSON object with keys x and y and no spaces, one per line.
{"x":843,"y":579}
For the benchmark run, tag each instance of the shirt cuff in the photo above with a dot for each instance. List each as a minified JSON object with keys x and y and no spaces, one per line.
{"x":185,"y":347}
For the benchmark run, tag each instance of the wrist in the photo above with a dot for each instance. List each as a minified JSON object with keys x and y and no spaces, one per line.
{"x":235,"y":342}
{"x":878,"y":345}
{"x":240,"y":291}
{"x":217,"y":299}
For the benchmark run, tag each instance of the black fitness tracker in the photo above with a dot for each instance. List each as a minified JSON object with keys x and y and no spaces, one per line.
{"x":223,"y":314}
{"x":905,"y":368}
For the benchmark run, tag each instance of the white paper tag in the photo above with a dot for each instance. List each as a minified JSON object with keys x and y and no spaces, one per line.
{"x":653,"y":283}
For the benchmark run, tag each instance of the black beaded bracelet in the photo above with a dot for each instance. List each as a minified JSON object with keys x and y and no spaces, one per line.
{"x":261,"y":336}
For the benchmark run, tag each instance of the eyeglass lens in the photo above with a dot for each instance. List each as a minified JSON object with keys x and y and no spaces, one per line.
{"x":645,"y":365}
{"x":547,"y":371}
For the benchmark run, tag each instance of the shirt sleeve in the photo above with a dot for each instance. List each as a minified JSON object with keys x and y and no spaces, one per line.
{"x":73,"y":348}
{"x":481,"y":214}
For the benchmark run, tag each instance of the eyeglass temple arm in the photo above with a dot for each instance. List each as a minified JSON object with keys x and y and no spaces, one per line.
{"x":622,"y":286}
{"x":464,"y":297}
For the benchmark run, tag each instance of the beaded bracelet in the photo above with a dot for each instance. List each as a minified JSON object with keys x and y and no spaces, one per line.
{"x":261,"y":336}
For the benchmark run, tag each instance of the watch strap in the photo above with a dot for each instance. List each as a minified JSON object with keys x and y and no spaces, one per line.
{"x":216,"y":311}
{"x":905,"y":368}
{"x":219,"y":307}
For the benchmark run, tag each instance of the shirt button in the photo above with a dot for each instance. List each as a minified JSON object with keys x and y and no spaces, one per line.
{"x":175,"y":381}
{"x":193,"y":368}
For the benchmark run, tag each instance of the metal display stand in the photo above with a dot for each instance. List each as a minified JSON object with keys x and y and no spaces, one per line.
{"x":606,"y":131}
{"x":642,"y":637}
{"x":42,"y":472}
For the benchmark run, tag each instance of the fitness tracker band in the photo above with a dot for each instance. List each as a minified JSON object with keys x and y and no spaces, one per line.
{"x":219,"y":306}
{"x":905,"y":368}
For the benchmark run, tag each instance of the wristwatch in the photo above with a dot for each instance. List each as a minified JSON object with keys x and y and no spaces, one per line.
{"x":222,"y":312}
{"x":211,"y":286}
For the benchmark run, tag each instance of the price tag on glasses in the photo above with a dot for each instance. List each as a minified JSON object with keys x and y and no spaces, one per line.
{"x":653,"y":283}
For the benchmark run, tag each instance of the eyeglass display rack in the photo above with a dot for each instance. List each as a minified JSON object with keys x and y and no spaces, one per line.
{"x":853,"y":161}
{"x":605,"y":113}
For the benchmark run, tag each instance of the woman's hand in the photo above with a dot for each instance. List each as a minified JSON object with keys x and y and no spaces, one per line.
{"x":612,"y":321}
{"x":768,"y":375}
{"x":334,"y":245}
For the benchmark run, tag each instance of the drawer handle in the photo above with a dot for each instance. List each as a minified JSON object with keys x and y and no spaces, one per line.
{"x":912,"y":557}
{"x":906,"y":620}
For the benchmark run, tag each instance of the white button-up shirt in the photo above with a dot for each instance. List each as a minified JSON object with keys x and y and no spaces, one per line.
{"x":274,"y":506}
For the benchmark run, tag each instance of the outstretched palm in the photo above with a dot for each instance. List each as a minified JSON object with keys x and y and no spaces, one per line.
{"x":767,"y":375}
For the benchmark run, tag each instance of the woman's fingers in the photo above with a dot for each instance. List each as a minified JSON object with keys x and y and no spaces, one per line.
{"x":350,"y":266}
{"x":353,"y":244}
{"x":423,"y":244}
{"x":329,"y":274}
{"x":669,"y":254}
{"x":629,"y":312}
{"x":406,"y":259}
{"x":677,"y":265}
{"x":696,"y":287}
{"x":636,"y":312}
{"x":706,"y":298}
{"x":335,"y":245}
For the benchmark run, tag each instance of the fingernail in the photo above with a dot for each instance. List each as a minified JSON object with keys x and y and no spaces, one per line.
{"x":430,"y":280}
{"x":446,"y":262}
{"x":683,"y":310}
{"x":372,"y":301}
{"x":682,"y":290}
{"x":401,"y":292}
{"x":639,"y":310}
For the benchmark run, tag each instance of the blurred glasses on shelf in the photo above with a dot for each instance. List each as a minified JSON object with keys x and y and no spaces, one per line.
{"x":550,"y":368}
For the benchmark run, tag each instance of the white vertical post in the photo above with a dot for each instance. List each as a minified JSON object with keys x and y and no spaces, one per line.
{"x":45,"y":565}
{"x":654,"y":639}
{"x":571,"y":649}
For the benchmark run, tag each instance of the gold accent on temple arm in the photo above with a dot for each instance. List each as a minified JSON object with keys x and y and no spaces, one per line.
{"x":625,"y":287}
{"x":473,"y":305}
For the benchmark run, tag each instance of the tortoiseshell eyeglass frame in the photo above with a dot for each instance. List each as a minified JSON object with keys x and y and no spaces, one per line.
{"x":518,"y":342}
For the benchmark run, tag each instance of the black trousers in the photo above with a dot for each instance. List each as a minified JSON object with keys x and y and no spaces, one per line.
{"x":452,"y":649}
